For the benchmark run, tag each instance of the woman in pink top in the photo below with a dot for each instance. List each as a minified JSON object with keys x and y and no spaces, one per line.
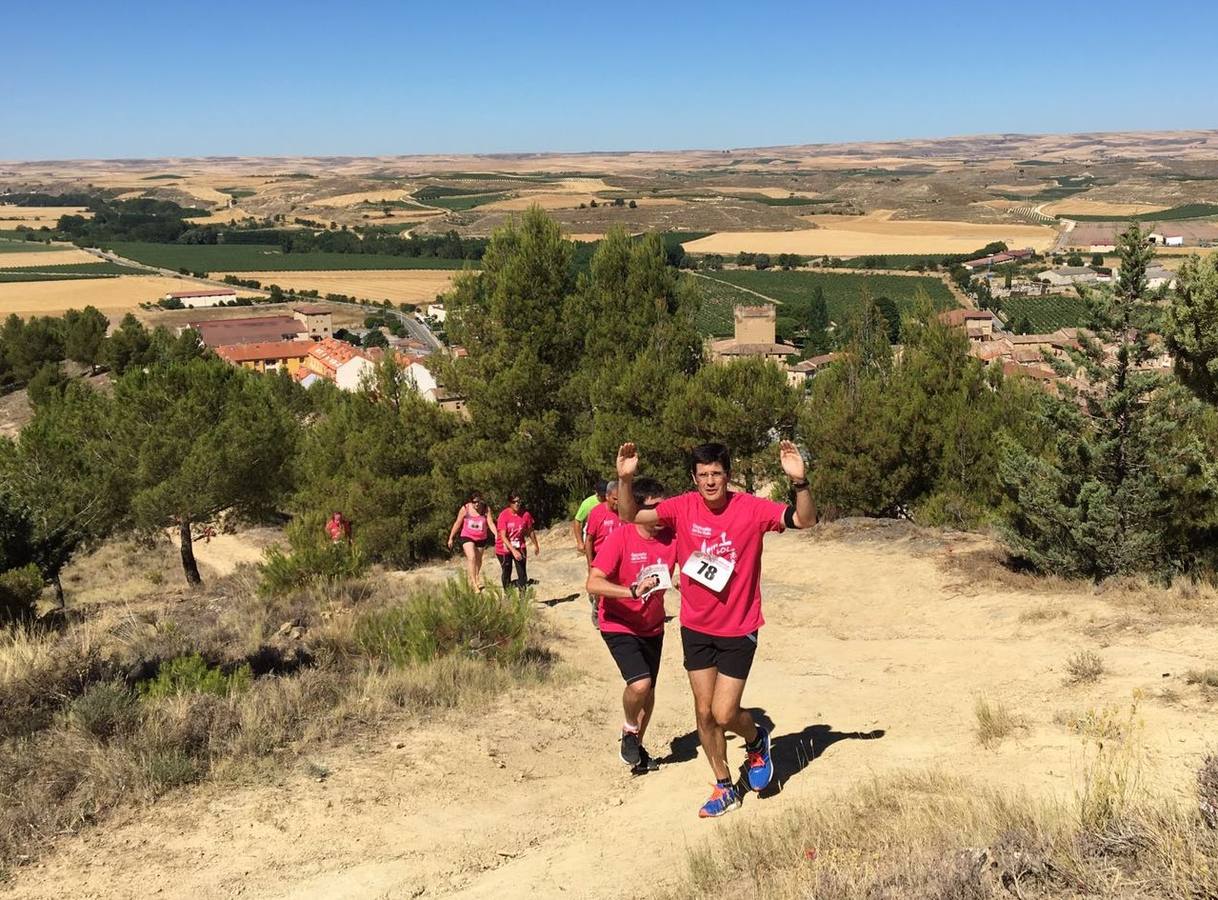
{"x":514,"y":526}
{"x":476,"y":530}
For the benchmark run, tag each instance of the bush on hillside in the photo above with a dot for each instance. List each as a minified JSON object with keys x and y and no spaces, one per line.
{"x":192,"y":675}
{"x":451,"y":619}
{"x":19,"y":593}
{"x":314,"y":561}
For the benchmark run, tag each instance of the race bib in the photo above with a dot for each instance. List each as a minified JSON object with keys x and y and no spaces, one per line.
{"x":709,"y":571}
{"x":660,"y":571}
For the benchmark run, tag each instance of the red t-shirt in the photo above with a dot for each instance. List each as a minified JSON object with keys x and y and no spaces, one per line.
{"x":602,"y":522}
{"x":514,"y":529}
{"x":733,"y":533}
{"x":622,"y":556}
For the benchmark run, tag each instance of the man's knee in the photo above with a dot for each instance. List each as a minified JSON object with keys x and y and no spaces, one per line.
{"x":640,"y":688}
{"x":725,"y":714}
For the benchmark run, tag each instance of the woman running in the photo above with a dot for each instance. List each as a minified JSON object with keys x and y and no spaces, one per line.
{"x":476,"y":529}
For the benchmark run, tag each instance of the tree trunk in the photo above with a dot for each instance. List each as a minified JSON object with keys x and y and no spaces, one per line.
{"x":189,"y":566}
{"x":59,"y":591}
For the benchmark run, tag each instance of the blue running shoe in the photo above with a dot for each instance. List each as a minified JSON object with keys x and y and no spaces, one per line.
{"x":724,"y":799}
{"x":761,"y":767}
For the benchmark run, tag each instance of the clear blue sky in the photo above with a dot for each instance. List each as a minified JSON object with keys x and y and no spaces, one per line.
{"x":234,"y":78}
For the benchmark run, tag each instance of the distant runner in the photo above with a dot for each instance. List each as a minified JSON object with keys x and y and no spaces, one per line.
{"x":601,"y":522}
{"x":580,"y":523}
{"x":718,"y":537}
{"x":630,"y":574}
{"x":476,"y":529}
{"x":514,"y":527}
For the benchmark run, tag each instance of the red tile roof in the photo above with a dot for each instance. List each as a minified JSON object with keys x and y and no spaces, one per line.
{"x":333,"y":353}
{"x":268,"y":350}
{"x":247,"y":330}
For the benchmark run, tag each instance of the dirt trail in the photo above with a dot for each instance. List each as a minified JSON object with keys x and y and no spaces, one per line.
{"x":527,"y":798}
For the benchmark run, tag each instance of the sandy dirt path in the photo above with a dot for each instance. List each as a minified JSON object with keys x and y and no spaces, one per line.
{"x":871,"y":661}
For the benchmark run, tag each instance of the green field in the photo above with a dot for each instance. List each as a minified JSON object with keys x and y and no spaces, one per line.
{"x":268,"y":257}
{"x":464,"y":202}
{"x":26,"y":247}
{"x":1184,"y":211}
{"x":841,"y":292}
{"x":65,"y":273}
{"x":784,"y":201}
{"x":1046,"y":314}
{"x":236,"y":193}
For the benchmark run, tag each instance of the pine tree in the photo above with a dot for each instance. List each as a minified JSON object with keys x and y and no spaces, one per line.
{"x":1192,"y":326}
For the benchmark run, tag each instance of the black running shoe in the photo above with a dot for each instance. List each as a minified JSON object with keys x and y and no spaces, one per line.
{"x":646,"y":763}
{"x":631,"y":749}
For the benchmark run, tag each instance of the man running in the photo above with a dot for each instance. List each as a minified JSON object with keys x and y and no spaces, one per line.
{"x":629,"y":576}
{"x":580,"y":522}
{"x":719,"y":541}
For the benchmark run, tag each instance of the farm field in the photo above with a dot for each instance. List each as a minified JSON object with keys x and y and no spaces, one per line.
{"x":46,"y":256}
{"x":268,"y":257}
{"x":873,"y":234}
{"x":23,"y":246}
{"x":1046,"y":314}
{"x":396,"y":285}
{"x":113,"y":296}
{"x":723,"y":290}
{"x":95,"y":269}
{"x":1080,"y":206}
{"x":346,"y":315}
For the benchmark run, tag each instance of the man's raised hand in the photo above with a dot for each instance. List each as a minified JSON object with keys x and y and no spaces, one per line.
{"x":627,"y":461}
{"x":791,"y":459}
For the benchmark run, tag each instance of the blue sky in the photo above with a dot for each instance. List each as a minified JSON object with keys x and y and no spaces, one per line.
{"x":143,"y":79}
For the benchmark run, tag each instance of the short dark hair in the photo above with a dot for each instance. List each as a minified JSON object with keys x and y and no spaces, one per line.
{"x":646,"y":487}
{"x":601,"y":486}
{"x":705,"y":454}
{"x":474,"y":496}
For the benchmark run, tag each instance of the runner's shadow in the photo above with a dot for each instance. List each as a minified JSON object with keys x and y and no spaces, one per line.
{"x":558,"y":600}
{"x":792,"y":753}
{"x":681,"y":749}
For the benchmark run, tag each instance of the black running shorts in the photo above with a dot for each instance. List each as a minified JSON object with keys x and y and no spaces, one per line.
{"x":732,"y":656}
{"x":636,"y":657}
{"x":483,"y":542}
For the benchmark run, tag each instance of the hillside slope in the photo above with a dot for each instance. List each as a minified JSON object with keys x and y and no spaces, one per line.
{"x":875,"y":652}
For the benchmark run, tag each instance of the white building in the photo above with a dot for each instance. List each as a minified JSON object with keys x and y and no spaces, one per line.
{"x":437,"y":311}
{"x":195,"y":299}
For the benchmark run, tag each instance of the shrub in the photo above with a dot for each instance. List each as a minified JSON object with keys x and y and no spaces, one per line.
{"x":19,"y":593}
{"x":995,"y":722}
{"x":310,"y":564}
{"x":1084,"y":666}
{"x":105,"y":710}
{"x":1207,"y":790}
{"x":192,"y":675}
{"x":450,"y":619}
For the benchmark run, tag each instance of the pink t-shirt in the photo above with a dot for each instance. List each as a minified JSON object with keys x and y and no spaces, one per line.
{"x":602,"y":522}
{"x":622,"y":556}
{"x":512,"y":528}
{"x":733,"y":533}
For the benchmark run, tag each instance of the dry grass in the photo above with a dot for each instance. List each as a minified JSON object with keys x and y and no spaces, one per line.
{"x":1207,"y":678}
{"x":1084,"y":667}
{"x":876,"y":232}
{"x":933,"y":835}
{"x":113,"y":296}
{"x":46,"y":258}
{"x":79,"y":737}
{"x":396,"y":285}
{"x":1043,"y":612}
{"x":995,"y":722}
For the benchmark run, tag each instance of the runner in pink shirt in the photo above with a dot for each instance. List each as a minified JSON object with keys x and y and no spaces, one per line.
{"x":513,"y":528}
{"x":719,"y":541}
{"x":476,"y":529}
{"x":601,"y":523}
{"x":630,"y":612}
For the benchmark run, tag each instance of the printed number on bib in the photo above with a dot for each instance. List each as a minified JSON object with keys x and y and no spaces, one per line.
{"x":660,"y":571}
{"x":709,"y":571}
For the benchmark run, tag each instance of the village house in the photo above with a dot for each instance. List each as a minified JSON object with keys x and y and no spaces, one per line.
{"x":997,"y":259}
{"x":1158,"y":276}
{"x":339,"y":362}
{"x":978,"y":324}
{"x":314,"y":324}
{"x":268,"y":356}
{"x":805,"y":369}
{"x":1067,"y":276}
{"x":194,"y":299}
{"x":755,"y":336}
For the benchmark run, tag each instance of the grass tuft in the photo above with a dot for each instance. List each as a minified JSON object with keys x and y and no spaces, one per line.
{"x":1084,"y":667}
{"x":995,"y":723}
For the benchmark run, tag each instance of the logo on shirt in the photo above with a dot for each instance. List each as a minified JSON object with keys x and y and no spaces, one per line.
{"x":638,"y":557}
{"x":702,"y":531}
{"x":723,"y":547}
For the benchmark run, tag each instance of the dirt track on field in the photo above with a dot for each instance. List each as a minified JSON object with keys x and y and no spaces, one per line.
{"x":527,"y":798}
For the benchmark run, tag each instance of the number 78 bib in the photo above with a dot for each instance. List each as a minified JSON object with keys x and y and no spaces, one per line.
{"x":709,"y":571}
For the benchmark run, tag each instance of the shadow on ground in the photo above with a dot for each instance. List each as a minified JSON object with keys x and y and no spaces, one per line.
{"x":792,"y":753}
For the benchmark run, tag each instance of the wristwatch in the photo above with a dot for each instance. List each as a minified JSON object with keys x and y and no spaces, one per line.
{"x":799,"y":485}
{"x":634,"y":592}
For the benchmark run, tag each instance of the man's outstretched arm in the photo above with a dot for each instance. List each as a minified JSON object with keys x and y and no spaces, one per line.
{"x":627,"y":467}
{"x":793,"y":466}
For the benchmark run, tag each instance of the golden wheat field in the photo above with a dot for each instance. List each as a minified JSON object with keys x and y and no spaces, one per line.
{"x":113,"y":296}
{"x":875,"y":233}
{"x":37,"y":216}
{"x":45,"y":258}
{"x":1081,"y":207}
{"x":363,"y":197}
{"x":396,"y":285}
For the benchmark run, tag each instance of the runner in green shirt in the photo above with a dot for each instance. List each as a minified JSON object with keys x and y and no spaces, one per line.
{"x":581,"y":516}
